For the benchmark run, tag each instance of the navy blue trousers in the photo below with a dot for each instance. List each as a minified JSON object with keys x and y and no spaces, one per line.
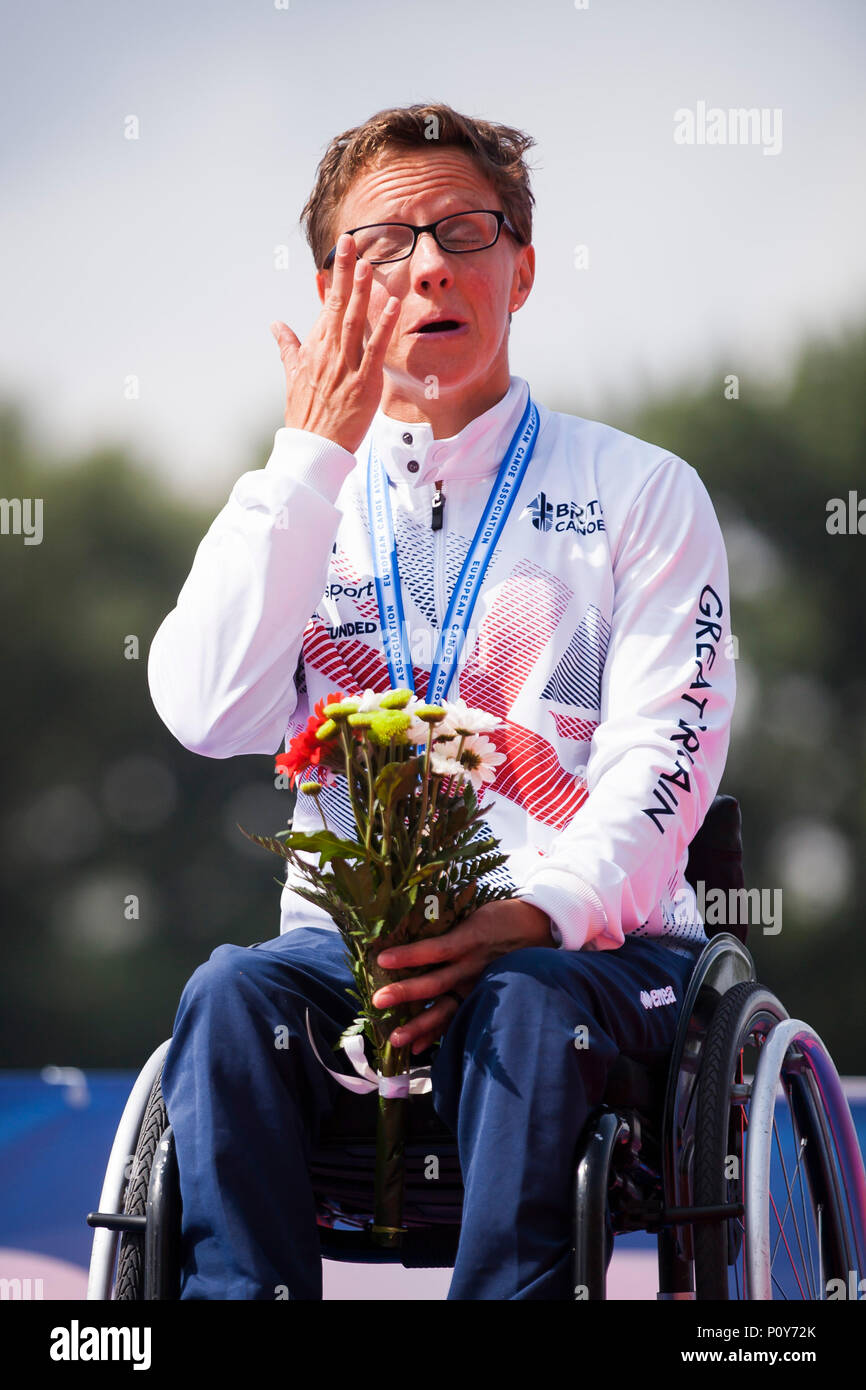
{"x":522,"y":1063}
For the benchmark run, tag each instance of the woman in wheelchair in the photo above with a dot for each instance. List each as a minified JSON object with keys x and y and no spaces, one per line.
{"x":570,"y":1028}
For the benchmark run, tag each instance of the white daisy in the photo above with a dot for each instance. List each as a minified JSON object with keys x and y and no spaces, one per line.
{"x":417,"y":731}
{"x":370,"y":700}
{"x":460,"y":719}
{"x":445,"y":766}
{"x":480,"y":759}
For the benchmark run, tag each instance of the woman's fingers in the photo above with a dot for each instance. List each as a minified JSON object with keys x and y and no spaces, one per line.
{"x":341,"y":285}
{"x":418,"y":987}
{"x":377,"y":343}
{"x":428,"y":1026}
{"x":288,"y":343}
{"x":334,"y":380}
{"x":355,"y":316}
{"x":456,"y":942}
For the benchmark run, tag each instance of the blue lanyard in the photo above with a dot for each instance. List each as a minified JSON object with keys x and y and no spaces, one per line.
{"x":395,"y":637}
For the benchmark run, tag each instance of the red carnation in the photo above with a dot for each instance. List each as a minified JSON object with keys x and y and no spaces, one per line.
{"x":331,"y":700}
{"x":305,"y":750}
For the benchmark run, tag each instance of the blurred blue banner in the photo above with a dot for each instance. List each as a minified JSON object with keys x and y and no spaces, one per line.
{"x":56,"y":1131}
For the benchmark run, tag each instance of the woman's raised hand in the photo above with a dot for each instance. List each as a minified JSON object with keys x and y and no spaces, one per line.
{"x":334,"y":379}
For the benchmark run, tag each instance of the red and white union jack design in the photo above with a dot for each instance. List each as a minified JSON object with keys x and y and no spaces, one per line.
{"x":511,"y":638}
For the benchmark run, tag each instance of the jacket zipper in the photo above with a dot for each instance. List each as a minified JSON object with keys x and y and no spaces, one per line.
{"x":440,"y":597}
{"x":438,"y":505}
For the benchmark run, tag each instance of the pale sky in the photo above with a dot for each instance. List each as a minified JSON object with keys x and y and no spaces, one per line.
{"x":155,"y":256}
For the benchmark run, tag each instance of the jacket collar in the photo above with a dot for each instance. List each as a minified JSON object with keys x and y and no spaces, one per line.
{"x":477,"y":451}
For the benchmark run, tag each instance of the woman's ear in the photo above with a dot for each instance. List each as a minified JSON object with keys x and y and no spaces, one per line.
{"x":524,"y":277}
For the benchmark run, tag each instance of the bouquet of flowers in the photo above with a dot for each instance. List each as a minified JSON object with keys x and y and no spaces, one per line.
{"x":414,"y":871}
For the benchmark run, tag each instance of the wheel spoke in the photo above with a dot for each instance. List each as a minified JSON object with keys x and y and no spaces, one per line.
{"x":787,"y":1246}
{"x":807,"y":1225}
{"x":781,"y":1223}
{"x":811,"y":1268}
{"x":779,"y":1286}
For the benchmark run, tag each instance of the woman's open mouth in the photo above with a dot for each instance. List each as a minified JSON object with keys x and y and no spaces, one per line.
{"x":443,"y":328}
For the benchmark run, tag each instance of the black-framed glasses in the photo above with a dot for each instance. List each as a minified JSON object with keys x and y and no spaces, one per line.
{"x":459,"y":232}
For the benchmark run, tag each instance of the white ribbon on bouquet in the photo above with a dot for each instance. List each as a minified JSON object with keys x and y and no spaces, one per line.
{"x":415,"y":1082}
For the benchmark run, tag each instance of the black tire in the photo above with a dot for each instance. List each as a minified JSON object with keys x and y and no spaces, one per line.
{"x":129,"y":1282}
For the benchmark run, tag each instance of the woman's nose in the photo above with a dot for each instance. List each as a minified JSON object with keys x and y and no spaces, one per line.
{"x":429,"y":262}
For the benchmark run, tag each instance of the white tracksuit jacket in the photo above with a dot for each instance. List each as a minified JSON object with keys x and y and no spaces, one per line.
{"x":601,"y":638}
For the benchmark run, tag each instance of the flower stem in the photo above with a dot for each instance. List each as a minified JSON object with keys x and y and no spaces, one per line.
{"x":422,"y":819}
{"x":370,"y":800}
{"x":386,"y":820}
{"x":347,"y":749}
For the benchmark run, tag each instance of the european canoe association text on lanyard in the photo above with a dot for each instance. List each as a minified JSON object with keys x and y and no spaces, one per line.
{"x":389,"y":593}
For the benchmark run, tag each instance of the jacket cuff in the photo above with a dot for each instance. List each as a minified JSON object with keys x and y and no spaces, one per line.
{"x":574,"y":908}
{"x":311,"y":459}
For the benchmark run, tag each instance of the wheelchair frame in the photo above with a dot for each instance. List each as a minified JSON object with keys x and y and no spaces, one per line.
{"x":634,"y":1168}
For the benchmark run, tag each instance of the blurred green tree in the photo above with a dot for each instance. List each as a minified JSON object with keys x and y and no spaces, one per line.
{"x":102,"y":804}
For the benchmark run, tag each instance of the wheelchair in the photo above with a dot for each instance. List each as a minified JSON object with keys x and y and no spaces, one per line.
{"x":738,"y":1152}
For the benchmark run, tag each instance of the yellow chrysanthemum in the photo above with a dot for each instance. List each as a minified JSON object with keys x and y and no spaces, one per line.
{"x":341,"y":708}
{"x":430,"y":714}
{"x":386,"y":725}
{"x":395,"y":699}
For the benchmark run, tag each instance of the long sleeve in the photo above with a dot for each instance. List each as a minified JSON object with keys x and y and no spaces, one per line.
{"x":222,"y":664}
{"x":667,"y":696}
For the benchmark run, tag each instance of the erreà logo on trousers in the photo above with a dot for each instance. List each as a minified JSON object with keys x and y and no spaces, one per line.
{"x":75,"y":1343}
{"x":547,"y":515}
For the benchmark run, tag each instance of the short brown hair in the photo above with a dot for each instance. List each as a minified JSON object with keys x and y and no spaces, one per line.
{"x":497,"y":150}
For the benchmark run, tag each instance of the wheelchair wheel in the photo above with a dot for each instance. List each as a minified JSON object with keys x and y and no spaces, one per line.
{"x":794,"y":1167}
{"x":129,"y":1283}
